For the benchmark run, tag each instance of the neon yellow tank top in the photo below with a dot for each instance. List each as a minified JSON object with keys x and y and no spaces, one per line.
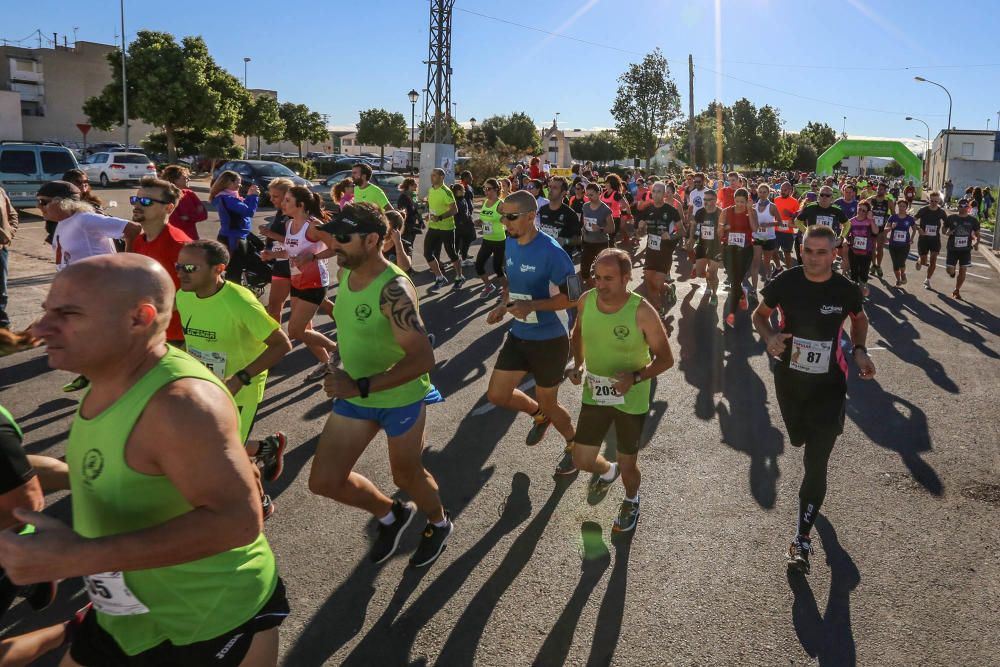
{"x":613,"y":343}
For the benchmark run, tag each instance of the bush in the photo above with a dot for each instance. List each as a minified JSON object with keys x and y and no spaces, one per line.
{"x":303,"y":168}
{"x":325,"y":167}
{"x":486,"y":164}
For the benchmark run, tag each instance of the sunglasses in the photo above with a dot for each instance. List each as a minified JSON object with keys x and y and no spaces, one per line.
{"x":346,"y":238}
{"x":186,"y":268}
{"x":145,"y":201}
{"x":514,"y":216}
{"x":43,"y":202}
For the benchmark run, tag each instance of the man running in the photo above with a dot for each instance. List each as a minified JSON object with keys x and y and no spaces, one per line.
{"x":930,"y":223}
{"x":823,"y":213}
{"x":384,"y":386}
{"x":557,"y":218}
{"x":788,"y":207}
{"x":661,"y":223}
{"x":164,"y":499}
{"x":705,"y":236}
{"x":810,"y":376}
{"x":228,"y":329}
{"x":361,"y":174}
{"x":962,"y":231}
{"x":441,"y":230}
{"x":882,"y":208}
{"x":622,"y":341}
{"x":537,"y":342}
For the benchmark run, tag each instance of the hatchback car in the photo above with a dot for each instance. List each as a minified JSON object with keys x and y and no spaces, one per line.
{"x":387,"y":181}
{"x":24,"y":166}
{"x":108,"y":168}
{"x":259,"y":173}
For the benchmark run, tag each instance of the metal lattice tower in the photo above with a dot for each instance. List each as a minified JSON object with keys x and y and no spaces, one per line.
{"x":437,"y":93}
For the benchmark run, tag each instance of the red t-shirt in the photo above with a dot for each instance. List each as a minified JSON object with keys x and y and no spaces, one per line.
{"x":165,"y":250}
{"x":726,"y":197}
{"x":188,"y":212}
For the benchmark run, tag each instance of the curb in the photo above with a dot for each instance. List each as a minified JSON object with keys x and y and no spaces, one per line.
{"x":991,"y":257}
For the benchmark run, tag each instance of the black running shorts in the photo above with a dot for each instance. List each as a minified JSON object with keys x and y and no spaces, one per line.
{"x":545,"y":359}
{"x":596,"y":420}
{"x":810,"y":409}
{"x":927,"y":244}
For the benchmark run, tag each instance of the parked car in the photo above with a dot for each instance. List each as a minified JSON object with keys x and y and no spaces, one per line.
{"x":259,"y":173}
{"x":25,"y":166}
{"x":108,"y":168}
{"x":387,"y":181}
{"x":103,"y":147}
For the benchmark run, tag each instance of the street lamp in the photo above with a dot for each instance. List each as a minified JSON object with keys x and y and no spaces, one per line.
{"x":413,"y":95}
{"x":947,"y":129}
{"x":844,"y":131}
{"x":246,"y":139}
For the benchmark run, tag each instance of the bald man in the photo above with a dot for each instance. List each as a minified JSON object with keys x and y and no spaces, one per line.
{"x":148,"y":523}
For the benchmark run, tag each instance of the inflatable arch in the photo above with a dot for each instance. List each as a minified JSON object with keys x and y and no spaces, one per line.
{"x":911,"y":164}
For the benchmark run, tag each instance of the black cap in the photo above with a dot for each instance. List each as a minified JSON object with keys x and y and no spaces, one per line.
{"x":963,"y":202}
{"x":344,"y":224}
{"x":59,"y":190}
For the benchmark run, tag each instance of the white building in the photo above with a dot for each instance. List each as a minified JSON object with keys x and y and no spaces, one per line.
{"x":973,"y":159}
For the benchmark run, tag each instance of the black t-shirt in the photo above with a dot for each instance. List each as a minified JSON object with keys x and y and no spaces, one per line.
{"x":660,"y":219}
{"x":14,"y":467}
{"x":814,"y":214}
{"x":931,"y":221}
{"x":564,"y":220}
{"x":814,"y":314}
{"x":881,"y":210}
{"x":707,"y":225}
{"x":960,"y":230}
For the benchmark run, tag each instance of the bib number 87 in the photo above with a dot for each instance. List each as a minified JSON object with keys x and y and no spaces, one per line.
{"x":813,"y":357}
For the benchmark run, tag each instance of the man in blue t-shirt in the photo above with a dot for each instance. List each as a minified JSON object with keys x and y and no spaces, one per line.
{"x":537,"y":343}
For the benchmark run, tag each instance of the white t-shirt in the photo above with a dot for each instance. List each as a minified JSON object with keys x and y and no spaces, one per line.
{"x":84,"y":235}
{"x":697,"y":200}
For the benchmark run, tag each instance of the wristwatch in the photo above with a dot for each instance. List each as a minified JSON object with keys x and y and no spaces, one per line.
{"x":244,"y":377}
{"x":636,"y":377}
{"x":364,"y":385}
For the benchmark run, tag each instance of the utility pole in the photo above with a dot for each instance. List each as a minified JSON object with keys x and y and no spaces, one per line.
{"x":691,"y":132}
{"x":121,"y":5}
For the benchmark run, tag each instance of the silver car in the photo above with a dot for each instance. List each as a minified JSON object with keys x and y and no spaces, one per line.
{"x":387,"y":181}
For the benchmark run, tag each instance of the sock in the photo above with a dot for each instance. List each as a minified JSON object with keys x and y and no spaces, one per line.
{"x":538,"y":415}
{"x":388,"y":519}
{"x":633,"y":500}
{"x":807,"y":516}
{"x":442,"y":523}
{"x":610,"y":474}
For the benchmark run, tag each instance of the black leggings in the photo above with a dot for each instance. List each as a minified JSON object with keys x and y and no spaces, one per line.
{"x":463,"y":240}
{"x":435,"y":239}
{"x":495,"y":249}
{"x":816,"y":458}
{"x":237,"y":259}
{"x":860,"y":267}
{"x":737,"y":264}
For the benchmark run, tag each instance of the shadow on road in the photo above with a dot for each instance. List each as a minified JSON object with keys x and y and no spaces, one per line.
{"x":612,"y":611}
{"x":24,"y":370}
{"x":827,"y":636}
{"x":700,"y":351}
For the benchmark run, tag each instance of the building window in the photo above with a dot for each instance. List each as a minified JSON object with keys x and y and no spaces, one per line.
{"x":31,"y":108}
{"x":24,"y":65}
{"x":968,"y":148}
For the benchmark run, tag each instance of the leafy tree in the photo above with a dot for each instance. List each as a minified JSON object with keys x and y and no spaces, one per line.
{"x":458,"y":135}
{"x":706,"y":132}
{"x":172,"y":86}
{"x":768,"y":136}
{"x":301,"y":124}
{"x":820,"y":135}
{"x":220,"y":146}
{"x":805,"y":157}
{"x":603,"y":146}
{"x":646,"y":104}
{"x":378,"y":127}
{"x":262,"y":119}
{"x":516,"y":131}
{"x":186,"y":142}
{"x":894,"y":169}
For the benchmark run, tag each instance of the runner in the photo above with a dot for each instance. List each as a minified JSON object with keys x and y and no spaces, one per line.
{"x":146,"y":522}
{"x":537,"y":342}
{"x":493,"y":243}
{"x":465,"y":229}
{"x":441,"y":230}
{"x":598,"y":230}
{"x":823,"y":212}
{"x":695,"y":194}
{"x":848,"y":203}
{"x":962,"y":231}
{"x":810,"y":377}
{"x":189,"y":210}
{"x":860,"y":234}
{"x":613,"y":196}
{"x":384,"y":385}
{"x":661,"y":223}
{"x":557,"y":218}
{"x":624,"y":345}
{"x":726,"y":194}
{"x":705,"y":236}
{"x":274,"y":235}
{"x":909,"y":192}
{"x":765,"y":239}
{"x":361,"y":174}
{"x":900,"y":228}
{"x":739,"y":222}
{"x":788,"y":206}
{"x":930,"y":219}
{"x":227,"y":329}
{"x":159,"y":240}
{"x":235,"y":219}
{"x":881,"y":210}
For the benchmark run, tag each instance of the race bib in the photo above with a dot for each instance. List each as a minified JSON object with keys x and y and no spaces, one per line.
{"x":590,"y":224}
{"x":737,"y":239}
{"x":961,"y":241}
{"x":930,"y":230}
{"x":654,"y":242}
{"x":825,"y":220}
{"x":111,"y":595}
{"x":603,"y":390}
{"x":550,"y":230}
{"x":487,"y":228}
{"x":900,"y":235}
{"x":707,"y":233}
{"x":214,"y":361}
{"x":860,"y":243}
{"x":879,"y":220}
{"x":532,"y":317}
{"x":810,"y":356}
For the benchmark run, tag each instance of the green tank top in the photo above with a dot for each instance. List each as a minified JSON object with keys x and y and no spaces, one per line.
{"x":189,"y":602}
{"x":367,"y":346}
{"x":493,"y":229}
{"x":9,"y":418}
{"x":613,"y":343}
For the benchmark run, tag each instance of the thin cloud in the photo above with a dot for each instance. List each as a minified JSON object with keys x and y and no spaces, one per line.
{"x":577,"y":15}
{"x":870,"y":14}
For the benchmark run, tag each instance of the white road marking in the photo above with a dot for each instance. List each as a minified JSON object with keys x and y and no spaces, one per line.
{"x":483,"y":409}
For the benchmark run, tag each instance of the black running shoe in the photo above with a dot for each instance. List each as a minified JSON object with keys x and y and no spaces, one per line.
{"x":797,"y":556}
{"x":387,"y":540}
{"x":628,"y":516}
{"x":271,"y":456}
{"x":599,"y":487}
{"x":566,"y":465}
{"x":432,"y":543}
{"x":537,"y":431}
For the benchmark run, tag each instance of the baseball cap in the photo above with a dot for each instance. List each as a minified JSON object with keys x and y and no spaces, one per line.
{"x":963,"y":202}
{"x":59,"y":190}
{"x":344,"y":223}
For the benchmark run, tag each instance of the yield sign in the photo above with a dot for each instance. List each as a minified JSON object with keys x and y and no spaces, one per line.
{"x":84,"y":128}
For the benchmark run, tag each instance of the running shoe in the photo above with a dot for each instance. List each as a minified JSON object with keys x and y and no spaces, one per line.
{"x":917,"y":265}
{"x":537,"y":431}
{"x":599,"y":487}
{"x":266,"y":506}
{"x":271,"y":456}
{"x":77,"y":384}
{"x":927,"y":283}
{"x":459,"y":281}
{"x":316,"y":374}
{"x":797,"y":556}
{"x":903,"y":280}
{"x":440,"y":282}
{"x":731,"y":320}
{"x":878,"y":271}
{"x":468,"y":261}
{"x":628,"y":516}
{"x":566,"y":465}
{"x":432,"y":542}
{"x":488,"y":291}
{"x":713,"y":299}
{"x":387,"y":540}
{"x":957,"y":295}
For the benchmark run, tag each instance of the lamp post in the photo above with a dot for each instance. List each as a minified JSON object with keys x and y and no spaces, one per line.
{"x":413,"y":95}
{"x":121,"y":7}
{"x":246,"y":139}
{"x":844,"y":131}
{"x":927,"y":146}
{"x":947,"y":129}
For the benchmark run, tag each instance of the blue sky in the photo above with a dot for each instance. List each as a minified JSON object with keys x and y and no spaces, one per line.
{"x":812,"y":60}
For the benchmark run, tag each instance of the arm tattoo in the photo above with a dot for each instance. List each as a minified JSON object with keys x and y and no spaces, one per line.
{"x":402,"y":309}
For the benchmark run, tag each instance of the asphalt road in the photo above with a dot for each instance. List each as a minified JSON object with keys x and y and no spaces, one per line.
{"x":906,"y":570}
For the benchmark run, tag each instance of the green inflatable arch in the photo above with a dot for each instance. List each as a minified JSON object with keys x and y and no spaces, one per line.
{"x":911,"y":164}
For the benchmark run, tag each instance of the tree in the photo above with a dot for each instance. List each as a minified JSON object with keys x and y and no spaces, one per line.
{"x":378,"y":127}
{"x":301,"y":124}
{"x":186,"y":142}
{"x":220,"y":146}
{"x":262,"y":119}
{"x":603,"y":146}
{"x":894,"y":169}
{"x":516,"y":131}
{"x":820,"y":135}
{"x":707,"y":135}
{"x":172,"y":86}
{"x":646,"y":104}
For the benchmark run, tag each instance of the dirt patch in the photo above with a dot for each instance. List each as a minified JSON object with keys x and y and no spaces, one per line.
{"x":987,"y":493}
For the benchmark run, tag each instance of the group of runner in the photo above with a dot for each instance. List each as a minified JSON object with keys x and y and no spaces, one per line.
{"x":146,"y":525}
